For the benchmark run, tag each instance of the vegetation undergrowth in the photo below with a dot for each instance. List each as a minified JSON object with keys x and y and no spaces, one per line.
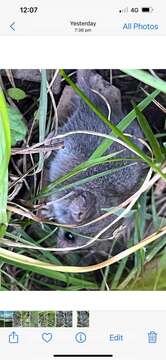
{"x":27,"y":261}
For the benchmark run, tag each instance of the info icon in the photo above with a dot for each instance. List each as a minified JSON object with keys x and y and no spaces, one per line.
{"x":80,"y":337}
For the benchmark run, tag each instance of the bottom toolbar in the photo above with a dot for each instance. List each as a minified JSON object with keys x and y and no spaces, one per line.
{"x":90,"y":334}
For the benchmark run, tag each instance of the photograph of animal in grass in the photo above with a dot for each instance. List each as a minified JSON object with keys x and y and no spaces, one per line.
{"x":82,"y":179}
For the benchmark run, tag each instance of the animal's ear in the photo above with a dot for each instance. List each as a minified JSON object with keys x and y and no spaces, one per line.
{"x":81,"y":208}
{"x":90,"y":79}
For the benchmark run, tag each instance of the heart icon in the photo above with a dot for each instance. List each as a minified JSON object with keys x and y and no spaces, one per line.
{"x":47,"y":337}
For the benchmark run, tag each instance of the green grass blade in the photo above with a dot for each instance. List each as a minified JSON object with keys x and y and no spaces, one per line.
{"x":3,"y":204}
{"x":19,"y":261}
{"x":5,"y":122}
{"x":118,"y":274}
{"x":147,"y":78}
{"x":90,"y":178}
{"x":83,"y":166}
{"x":114,"y":129}
{"x":5,"y":148}
{"x":149,"y":136}
{"x":118,"y":133}
{"x":124,"y":123}
{"x":5,"y":138}
{"x":42,"y":114}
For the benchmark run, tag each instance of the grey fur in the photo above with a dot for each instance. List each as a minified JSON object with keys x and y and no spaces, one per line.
{"x":86,"y":202}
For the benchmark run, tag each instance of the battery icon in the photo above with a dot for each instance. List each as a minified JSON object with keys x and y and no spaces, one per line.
{"x":147,"y":9}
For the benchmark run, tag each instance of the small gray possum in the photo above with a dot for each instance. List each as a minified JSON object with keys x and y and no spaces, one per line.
{"x":81,"y":204}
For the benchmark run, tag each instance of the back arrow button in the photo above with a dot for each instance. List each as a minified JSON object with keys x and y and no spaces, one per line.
{"x":12,"y":26}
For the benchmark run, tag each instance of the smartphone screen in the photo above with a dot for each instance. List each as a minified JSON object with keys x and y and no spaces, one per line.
{"x":82,"y":179}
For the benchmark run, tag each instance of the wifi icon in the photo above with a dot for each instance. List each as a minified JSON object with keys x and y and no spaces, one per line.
{"x":124,"y":10}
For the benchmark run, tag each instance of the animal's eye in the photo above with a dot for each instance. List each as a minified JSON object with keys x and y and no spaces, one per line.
{"x":69,"y":236}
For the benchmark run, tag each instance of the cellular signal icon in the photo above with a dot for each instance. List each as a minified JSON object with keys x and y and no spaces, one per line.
{"x":124,"y":10}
